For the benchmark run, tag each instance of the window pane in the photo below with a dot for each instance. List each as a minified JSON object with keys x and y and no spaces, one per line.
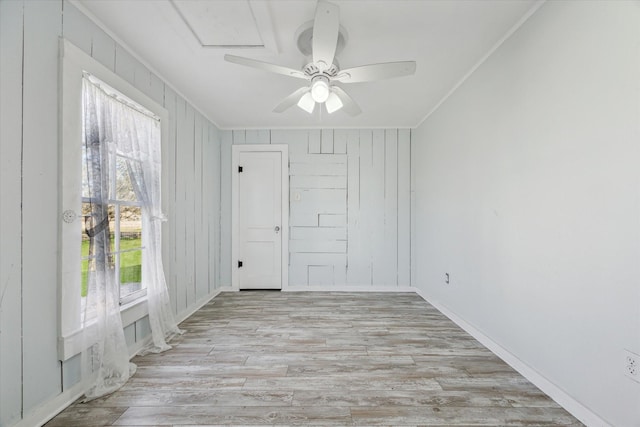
{"x":89,"y":249}
{"x":124,"y":188}
{"x":130,"y":250}
{"x":84,"y":249}
{"x":84,"y":268}
{"x":130,"y":227}
{"x":89,"y":281}
{"x":84,"y":222}
{"x":112,"y":228}
{"x":84,"y":253}
{"x":92,"y":170}
{"x":88,"y":222}
{"x":85,"y":176}
{"x":130,"y":272}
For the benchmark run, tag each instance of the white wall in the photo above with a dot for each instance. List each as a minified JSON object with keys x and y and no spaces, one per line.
{"x":31,"y":377}
{"x":351,"y":224}
{"x":527,"y":194}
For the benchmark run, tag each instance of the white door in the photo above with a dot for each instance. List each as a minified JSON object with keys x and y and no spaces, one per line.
{"x":260,"y":220}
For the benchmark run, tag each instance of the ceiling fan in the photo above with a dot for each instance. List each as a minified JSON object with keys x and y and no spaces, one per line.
{"x":323,"y":72}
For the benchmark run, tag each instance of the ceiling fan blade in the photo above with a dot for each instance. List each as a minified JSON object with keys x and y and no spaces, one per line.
{"x":291,"y":100}
{"x":348,"y":104}
{"x":326,"y":27}
{"x":368,"y":73}
{"x":266,"y":66}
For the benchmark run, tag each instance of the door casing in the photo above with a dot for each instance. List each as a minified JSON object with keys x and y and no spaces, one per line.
{"x":235,"y":207}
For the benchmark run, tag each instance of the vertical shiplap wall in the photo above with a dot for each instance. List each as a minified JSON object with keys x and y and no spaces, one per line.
{"x":349,"y":212}
{"x":11,"y":42}
{"x":30,"y":374}
{"x":318,"y":210}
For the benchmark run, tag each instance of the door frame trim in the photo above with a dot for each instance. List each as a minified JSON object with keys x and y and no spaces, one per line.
{"x":236,"y":149}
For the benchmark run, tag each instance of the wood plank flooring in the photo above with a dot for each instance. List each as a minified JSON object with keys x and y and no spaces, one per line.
{"x":311,"y":358}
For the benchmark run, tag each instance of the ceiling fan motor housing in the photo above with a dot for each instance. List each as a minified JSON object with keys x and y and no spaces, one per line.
{"x":312,"y":70}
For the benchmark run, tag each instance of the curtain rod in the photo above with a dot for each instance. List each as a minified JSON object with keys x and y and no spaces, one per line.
{"x":120,"y":98}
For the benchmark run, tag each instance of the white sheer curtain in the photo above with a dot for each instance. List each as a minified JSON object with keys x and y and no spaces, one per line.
{"x":112,"y":126}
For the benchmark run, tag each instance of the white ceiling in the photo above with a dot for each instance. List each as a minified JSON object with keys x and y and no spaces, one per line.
{"x":446,"y":39}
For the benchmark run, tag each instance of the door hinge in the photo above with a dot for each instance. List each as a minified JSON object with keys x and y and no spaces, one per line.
{"x":239,"y":169}
{"x":239,"y":264}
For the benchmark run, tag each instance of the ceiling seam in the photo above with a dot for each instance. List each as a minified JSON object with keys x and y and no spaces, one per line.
{"x":318,"y":127}
{"x":186,"y":22}
{"x":482,"y":60}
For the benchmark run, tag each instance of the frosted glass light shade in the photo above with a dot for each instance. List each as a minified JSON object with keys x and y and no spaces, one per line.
{"x":320,"y":91}
{"x":333,"y":103}
{"x":307,"y":103}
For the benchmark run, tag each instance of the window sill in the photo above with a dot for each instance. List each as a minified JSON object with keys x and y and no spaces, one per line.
{"x":71,"y":345}
{"x":134,"y":311}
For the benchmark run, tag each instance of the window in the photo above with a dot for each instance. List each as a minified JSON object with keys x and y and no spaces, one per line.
{"x":110,"y":201}
{"x":115,"y":175}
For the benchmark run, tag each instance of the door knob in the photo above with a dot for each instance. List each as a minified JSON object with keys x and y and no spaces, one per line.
{"x":277,"y":228}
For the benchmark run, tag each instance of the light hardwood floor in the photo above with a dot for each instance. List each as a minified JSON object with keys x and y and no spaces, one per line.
{"x":321,"y":358}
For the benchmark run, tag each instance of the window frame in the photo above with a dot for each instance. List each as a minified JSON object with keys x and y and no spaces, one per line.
{"x":74,"y":63}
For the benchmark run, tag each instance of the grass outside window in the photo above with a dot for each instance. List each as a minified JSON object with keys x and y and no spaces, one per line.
{"x":130,"y":263}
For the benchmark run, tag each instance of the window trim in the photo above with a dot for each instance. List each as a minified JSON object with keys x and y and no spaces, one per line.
{"x":74,"y":63}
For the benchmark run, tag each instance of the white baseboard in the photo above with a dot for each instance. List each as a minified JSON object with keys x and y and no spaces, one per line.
{"x":43,"y":413}
{"x":306,"y":288}
{"x":51,"y":408}
{"x":181,"y":317}
{"x":138,"y":346}
{"x":575,"y":408}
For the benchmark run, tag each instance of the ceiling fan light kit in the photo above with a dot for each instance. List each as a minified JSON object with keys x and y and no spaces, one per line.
{"x":326,"y":37}
{"x":333,"y":103}
{"x":307,"y":103}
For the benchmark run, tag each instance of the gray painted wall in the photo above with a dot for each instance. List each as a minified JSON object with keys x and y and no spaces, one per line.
{"x":527,"y":195}
{"x":30,"y":373}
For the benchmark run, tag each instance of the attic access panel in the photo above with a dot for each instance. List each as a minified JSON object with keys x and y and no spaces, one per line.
{"x":228,"y":23}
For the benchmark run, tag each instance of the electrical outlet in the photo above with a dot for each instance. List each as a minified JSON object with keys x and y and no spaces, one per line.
{"x":446,"y":278}
{"x":632,"y":365}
